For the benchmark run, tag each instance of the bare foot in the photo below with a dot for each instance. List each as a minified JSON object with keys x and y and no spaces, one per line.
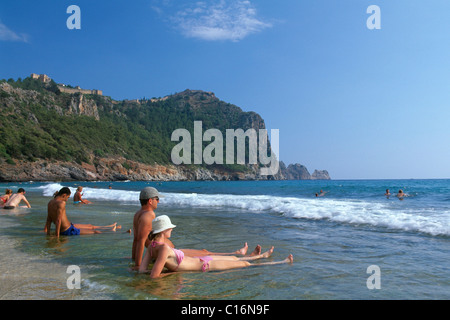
{"x":290,"y":259}
{"x":243,"y":250}
{"x":257,"y":251}
{"x":268,"y":253}
{"x":115,"y":226}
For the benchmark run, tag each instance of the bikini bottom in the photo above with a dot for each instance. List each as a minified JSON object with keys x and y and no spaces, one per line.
{"x":206,"y":260}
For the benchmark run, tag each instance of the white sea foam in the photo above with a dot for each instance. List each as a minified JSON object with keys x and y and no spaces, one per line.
{"x":343,"y":211}
{"x":381,"y":214}
{"x":94,"y":193}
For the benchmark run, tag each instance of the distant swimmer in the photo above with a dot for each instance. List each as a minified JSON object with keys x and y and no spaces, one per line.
{"x":77,"y":197}
{"x":388,"y":193}
{"x":401,"y":194}
{"x":321,"y":194}
{"x":56,"y":214}
{"x":15,"y":199}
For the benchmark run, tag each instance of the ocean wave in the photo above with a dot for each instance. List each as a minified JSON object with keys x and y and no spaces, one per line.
{"x":94,"y":193}
{"x":380,"y":214}
{"x":342,"y":211}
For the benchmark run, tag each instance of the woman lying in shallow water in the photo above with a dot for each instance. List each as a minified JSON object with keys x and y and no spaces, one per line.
{"x":175,"y":260}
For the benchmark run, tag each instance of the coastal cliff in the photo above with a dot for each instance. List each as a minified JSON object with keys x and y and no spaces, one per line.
{"x":114,"y":169}
{"x":49,"y":135}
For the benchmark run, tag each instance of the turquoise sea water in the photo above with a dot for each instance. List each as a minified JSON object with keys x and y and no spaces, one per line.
{"x":334,"y":239}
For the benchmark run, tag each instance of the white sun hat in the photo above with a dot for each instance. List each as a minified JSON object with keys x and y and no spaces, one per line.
{"x":161,"y":223}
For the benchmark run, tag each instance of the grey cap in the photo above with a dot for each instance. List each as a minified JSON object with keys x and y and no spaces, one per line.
{"x":148,"y":193}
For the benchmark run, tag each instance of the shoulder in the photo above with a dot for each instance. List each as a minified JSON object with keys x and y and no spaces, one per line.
{"x":60,"y":204}
{"x":143,"y":223}
{"x":148,"y":216}
{"x":160,"y":245}
{"x":137,"y":215}
{"x":163,"y":249}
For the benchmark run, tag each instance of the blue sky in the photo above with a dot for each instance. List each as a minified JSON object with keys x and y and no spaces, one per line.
{"x":363,"y":104}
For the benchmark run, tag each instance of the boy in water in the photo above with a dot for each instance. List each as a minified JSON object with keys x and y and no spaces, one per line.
{"x":15,"y":199}
{"x":56,"y":210}
{"x":77,"y":197}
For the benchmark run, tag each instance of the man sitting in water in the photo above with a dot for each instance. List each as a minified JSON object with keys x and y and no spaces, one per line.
{"x":77,"y":197}
{"x":56,"y":210}
{"x":15,"y":199}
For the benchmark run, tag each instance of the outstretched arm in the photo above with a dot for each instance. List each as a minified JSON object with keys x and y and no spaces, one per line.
{"x":26,"y":202}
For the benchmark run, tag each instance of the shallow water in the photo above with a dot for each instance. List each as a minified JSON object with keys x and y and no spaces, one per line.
{"x":334,"y":239}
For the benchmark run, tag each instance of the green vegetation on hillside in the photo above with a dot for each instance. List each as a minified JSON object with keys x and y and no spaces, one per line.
{"x":39,"y":126}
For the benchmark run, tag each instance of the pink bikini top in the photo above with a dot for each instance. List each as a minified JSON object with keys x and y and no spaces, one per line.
{"x":178,"y":253}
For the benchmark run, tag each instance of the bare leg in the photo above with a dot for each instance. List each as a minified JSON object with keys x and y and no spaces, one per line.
{"x":202,"y":253}
{"x":289,"y":259}
{"x":88,"y":231}
{"x":217,"y":265}
{"x":111,"y":227}
{"x":248,"y":258}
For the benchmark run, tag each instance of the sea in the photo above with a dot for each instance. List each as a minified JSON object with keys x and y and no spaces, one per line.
{"x":352,"y":243}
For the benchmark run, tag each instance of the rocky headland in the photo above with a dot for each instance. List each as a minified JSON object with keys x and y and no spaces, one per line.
{"x":49,"y":135}
{"x":120,"y":169}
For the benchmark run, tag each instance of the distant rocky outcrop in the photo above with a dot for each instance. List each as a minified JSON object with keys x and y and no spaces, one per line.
{"x":300,"y":172}
{"x":295,"y":172}
{"x":320,"y":175}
